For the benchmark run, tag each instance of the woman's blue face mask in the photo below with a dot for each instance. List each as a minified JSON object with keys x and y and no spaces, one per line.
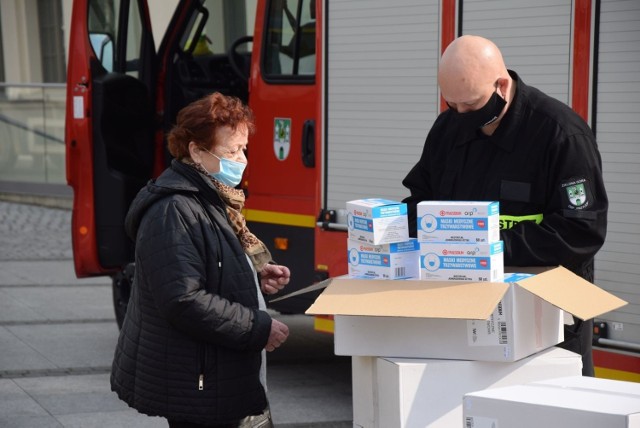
{"x":230,"y":171}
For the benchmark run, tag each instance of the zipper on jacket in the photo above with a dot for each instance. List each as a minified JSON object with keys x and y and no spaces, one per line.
{"x":202,"y":357}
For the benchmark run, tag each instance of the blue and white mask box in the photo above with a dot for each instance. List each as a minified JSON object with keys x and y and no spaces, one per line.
{"x":462,"y":262}
{"x":458,"y":221}
{"x":377,"y":221}
{"x":399,"y":260}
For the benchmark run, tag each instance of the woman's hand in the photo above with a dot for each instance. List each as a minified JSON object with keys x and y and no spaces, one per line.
{"x":273,"y":278}
{"x":278,"y":335}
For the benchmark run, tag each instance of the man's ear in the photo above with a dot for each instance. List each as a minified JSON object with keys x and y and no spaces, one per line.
{"x":503,"y":87}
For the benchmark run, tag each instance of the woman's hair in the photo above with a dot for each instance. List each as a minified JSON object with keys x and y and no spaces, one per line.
{"x":199,"y":121}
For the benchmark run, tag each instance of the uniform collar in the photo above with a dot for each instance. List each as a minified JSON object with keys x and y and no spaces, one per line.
{"x":504,"y":135}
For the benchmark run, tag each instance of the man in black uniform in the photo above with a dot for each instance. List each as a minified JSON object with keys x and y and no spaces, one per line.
{"x":501,"y":140}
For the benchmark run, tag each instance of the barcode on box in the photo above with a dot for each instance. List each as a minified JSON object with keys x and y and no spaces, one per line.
{"x":480,"y":422}
{"x":401,"y":271}
{"x":504,"y":337}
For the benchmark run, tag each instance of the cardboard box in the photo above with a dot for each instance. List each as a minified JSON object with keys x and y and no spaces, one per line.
{"x":399,"y":260}
{"x":571,"y":402}
{"x":461,"y":262}
{"x":403,"y":393}
{"x":377,"y":221}
{"x":453,"y":320}
{"x":458,"y":221}
{"x":519,"y":326}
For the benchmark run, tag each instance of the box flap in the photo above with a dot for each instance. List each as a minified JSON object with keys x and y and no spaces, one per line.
{"x":313,"y":287}
{"x":409,"y":298}
{"x":568,"y":291}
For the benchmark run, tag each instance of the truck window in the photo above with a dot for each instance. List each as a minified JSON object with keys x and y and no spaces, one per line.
{"x":217,"y":25}
{"x":106,"y":36}
{"x":134,"y":39}
{"x":290,"y":39}
{"x":102,"y":24}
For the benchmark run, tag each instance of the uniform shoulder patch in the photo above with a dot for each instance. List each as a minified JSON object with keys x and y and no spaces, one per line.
{"x":577,"y":193}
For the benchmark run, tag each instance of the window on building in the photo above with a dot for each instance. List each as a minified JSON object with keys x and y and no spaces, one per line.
{"x":2,"y":77}
{"x":51,"y":41}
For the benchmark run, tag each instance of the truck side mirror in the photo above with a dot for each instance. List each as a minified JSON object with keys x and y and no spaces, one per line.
{"x":102,"y":45}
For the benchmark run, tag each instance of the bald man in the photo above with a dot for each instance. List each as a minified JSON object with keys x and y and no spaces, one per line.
{"x":501,"y":140}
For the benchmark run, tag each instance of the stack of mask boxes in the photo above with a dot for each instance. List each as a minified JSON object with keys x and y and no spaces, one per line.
{"x":378,"y":245}
{"x":460,"y":241}
{"x":457,"y":241}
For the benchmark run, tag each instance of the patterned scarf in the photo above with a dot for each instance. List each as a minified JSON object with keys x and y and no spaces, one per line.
{"x":234,"y":202}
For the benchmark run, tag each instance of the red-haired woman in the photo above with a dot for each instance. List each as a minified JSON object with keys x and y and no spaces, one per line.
{"x":191,"y":348}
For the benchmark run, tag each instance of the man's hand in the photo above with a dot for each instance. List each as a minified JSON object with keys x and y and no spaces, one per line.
{"x":279,"y":333}
{"x":273,"y":278}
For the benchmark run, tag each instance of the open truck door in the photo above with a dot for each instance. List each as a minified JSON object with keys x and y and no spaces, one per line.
{"x":109,"y":129}
{"x":123,"y":96}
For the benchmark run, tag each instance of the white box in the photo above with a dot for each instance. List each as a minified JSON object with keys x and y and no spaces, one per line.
{"x":406,"y":393}
{"x":520,"y":325}
{"x":571,"y":402}
{"x":457,"y":320}
{"x":377,"y":221}
{"x":458,"y":221}
{"x":461,"y":262}
{"x":399,"y":260}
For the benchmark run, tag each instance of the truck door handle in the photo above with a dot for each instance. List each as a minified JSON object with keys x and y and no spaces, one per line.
{"x":309,"y":143}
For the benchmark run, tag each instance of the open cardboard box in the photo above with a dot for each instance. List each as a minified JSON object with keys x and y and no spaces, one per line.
{"x":487,"y":321}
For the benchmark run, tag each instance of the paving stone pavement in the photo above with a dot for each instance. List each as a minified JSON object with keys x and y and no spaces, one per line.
{"x":30,"y":232}
{"x":58,"y":332}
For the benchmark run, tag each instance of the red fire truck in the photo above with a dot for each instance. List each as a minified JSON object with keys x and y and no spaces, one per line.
{"x":344,"y":92}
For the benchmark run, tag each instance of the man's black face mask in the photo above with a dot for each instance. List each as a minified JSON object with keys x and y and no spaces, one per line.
{"x":482,"y":117}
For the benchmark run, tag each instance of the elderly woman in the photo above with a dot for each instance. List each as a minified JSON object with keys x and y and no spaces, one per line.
{"x":191,"y":348}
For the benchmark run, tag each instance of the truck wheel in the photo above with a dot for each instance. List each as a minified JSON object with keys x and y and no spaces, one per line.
{"x":121,"y":287}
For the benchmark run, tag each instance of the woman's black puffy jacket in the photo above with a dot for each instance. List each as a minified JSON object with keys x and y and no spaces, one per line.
{"x":190,"y":345}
